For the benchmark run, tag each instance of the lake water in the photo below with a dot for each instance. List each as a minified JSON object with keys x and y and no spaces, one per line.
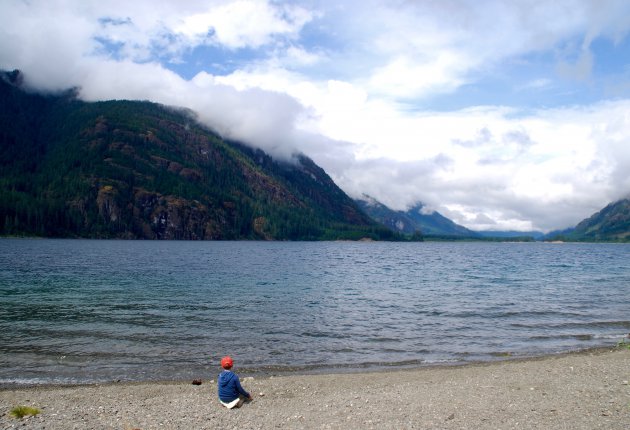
{"x":75,"y":311}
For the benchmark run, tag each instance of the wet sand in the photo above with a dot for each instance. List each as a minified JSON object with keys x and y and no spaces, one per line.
{"x":586,"y":390}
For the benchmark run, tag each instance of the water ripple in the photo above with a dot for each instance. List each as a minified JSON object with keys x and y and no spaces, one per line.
{"x":106,"y":310}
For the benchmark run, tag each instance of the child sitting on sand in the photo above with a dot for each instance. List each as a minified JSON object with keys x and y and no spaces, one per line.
{"x":231,"y":394}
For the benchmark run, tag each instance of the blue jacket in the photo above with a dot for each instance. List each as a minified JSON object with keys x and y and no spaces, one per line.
{"x":230,"y":387}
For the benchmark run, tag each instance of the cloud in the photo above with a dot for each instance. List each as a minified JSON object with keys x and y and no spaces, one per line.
{"x":254,"y":116}
{"x":424,"y":48}
{"x":580,"y":69}
{"x":545,"y":170}
{"x":57,"y":54}
{"x":243,"y":23}
{"x":355,"y":86}
{"x":536,"y":84}
{"x":403,"y":77}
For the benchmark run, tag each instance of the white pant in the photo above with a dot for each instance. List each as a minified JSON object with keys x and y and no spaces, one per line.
{"x":234,"y":403}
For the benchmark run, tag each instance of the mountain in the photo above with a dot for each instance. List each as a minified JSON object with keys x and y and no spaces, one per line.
{"x":611,"y":224}
{"x":416,"y":219}
{"x":139,"y":170}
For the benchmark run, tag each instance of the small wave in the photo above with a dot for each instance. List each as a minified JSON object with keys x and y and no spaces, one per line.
{"x":326,"y":335}
{"x":574,"y":325}
{"x":584,"y":337}
{"x":327,"y":367}
{"x":382,"y":339}
{"x":33,"y":382}
{"x":612,"y":336}
{"x":442,"y":361}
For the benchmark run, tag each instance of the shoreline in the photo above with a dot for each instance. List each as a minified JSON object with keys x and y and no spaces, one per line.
{"x":585,"y":389}
{"x":319,"y":370}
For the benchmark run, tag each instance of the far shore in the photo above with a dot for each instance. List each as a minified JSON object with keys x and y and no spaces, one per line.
{"x":582,"y":390}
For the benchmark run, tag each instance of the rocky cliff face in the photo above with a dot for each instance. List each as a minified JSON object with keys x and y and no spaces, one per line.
{"x":170,"y":217}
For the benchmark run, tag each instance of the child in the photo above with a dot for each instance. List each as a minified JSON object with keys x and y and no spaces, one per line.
{"x":231,"y":394}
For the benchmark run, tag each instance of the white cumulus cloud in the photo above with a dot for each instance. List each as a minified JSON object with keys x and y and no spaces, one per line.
{"x":393,"y":99}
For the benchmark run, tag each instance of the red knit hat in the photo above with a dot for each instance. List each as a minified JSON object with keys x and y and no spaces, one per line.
{"x":227,"y":362}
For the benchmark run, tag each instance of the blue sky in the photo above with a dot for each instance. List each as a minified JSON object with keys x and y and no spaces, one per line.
{"x":498,"y":114}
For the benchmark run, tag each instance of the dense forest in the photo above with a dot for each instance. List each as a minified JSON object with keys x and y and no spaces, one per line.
{"x":130,"y":169}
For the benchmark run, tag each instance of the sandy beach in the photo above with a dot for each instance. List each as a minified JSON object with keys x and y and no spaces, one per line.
{"x":585,"y":390}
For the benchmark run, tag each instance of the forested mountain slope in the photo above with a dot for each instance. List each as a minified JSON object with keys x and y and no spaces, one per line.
{"x":130,"y":169}
{"x":611,"y":224}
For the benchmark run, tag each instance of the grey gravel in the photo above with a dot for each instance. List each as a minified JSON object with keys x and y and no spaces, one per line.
{"x":587,"y":390}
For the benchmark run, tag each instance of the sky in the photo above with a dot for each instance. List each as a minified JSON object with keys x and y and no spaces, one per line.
{"x":501,"y":115}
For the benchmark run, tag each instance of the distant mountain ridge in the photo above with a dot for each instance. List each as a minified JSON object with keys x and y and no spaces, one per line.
{"x":139,"y":170}
{"x":414,"y":220}
{"x":537,"y":235}
{"x":431,"y":224}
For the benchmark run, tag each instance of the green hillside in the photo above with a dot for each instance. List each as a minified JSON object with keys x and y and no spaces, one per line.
{"x":611,"y":224}
{"x":128,"y":169}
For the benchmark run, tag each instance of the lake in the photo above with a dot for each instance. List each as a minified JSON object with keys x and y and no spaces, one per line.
{"x":77,"y":311}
